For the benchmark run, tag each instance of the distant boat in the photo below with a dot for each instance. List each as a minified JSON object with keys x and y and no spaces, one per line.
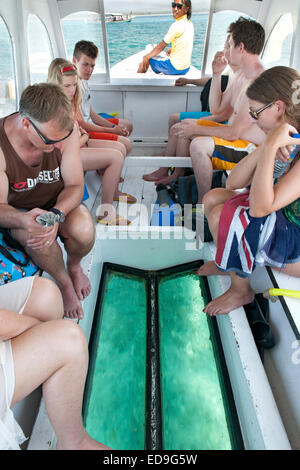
{"x":118,"y":18}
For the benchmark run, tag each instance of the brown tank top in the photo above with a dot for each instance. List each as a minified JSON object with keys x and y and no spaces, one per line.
{"x":31,"y":187}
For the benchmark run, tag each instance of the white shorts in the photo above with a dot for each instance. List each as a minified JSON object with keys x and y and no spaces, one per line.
{"x":13,"y":296}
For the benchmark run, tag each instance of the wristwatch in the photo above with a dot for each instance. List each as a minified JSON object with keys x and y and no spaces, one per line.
{"x":61,"y":215}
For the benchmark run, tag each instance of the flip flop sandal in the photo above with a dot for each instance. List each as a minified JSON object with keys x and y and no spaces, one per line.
{"x":129,"y":199}
{"x":115,"y":221}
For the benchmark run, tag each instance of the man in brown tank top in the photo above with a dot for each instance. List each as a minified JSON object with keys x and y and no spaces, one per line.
{"x":41,"y":171}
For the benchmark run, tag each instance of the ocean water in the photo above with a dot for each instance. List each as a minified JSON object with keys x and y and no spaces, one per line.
{"x":134,"y":36}
{"x":192,"y":401}
{"x":117,"y":377}
{"x":125,"y":39}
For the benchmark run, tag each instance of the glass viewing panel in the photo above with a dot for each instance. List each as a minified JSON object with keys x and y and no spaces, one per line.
{"x":279,"y":45}
{"x":7,"y":73}
{"x":39,"y":48}
{"x":90,"y":28}
{"x":220,"y":23}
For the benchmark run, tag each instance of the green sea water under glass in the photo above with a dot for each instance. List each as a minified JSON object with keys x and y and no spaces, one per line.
{"x":116,"y":404}
{"x":193,"y":410}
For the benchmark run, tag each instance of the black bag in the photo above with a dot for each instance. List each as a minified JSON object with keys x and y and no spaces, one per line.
{"x":204,"y":97}
{"x":14,"y":262}
{"x":184,"y":191}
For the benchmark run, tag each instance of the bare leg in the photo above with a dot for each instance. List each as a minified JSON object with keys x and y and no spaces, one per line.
{"x":213,"y":203}
{"x":79,"y":236}
{"x":109,"y":163}
{"x":126,"y":142}
{"x":239,"y":293}
{"x":291,"y":269}
{"x":170,"y":152}
{"x":201,"y":150}
{"x":50,"y":348}
{"x":50,"y":259}
{"x":142,"y":68}
{"x":177,"y":146}
{"x":45,"y":301}
{"x":210,"y":269}
{"x":108,"y":144}
{"x":174,"y":119}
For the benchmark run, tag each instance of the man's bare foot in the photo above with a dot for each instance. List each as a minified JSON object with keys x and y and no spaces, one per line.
{"x":80,"y":281}
{"x":230,"y":300}
{"x":210,"y":269}
{"x":156,"y":175}
{"x":165,"y":180}
{"x":72,"y":305}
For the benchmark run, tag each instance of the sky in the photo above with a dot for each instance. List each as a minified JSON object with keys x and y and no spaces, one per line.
{"x":148,"y":6}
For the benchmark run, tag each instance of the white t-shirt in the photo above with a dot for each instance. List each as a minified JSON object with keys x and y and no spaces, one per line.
{"x":86,"y":101}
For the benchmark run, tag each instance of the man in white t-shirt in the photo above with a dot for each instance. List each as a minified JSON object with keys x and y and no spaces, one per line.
{"x":177,"y":61}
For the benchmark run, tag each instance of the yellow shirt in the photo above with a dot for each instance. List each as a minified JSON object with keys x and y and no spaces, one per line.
{"x":181,"y":35}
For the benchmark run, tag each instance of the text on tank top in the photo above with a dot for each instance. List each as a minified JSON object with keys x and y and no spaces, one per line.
{"x":31,"y":187}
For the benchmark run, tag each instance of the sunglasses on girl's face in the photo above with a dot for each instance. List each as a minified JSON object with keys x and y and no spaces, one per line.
{"x":255,"y":114}
{"x":44,"y":139}
{"x":178,"y":5}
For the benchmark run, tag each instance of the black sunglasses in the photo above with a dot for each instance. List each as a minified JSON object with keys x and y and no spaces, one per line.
{"x":178,"y":5}
{"x":255,"y":114}
{"x":44,"y":139}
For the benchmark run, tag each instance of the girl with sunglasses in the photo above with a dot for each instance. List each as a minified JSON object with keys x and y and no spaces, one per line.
{"x":104,"y":156}
{"x":181,"y":35}
{"x":261,"y":225}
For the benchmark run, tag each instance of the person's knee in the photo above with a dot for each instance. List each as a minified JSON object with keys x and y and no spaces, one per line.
{"x":45,"y":301}
{"x":86,"y":234}
{"x":80,"y":227}
{"x":128,"y":146}
{"x":122,"y":148}
{"x":196,"y":149}
{"x":128,"y":125}
{"x":126,"y":142}
{"x":117,"y":158}
{"x":69,"y":339}
{"x":209,"y":200}
{"x":213,"y":217}
{"x":174,"y":119}
{"x":173,"y":130}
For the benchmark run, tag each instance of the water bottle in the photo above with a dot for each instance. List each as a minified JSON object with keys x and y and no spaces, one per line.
{"x":280,"y":167}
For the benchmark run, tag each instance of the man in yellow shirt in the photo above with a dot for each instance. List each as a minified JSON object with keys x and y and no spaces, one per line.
{"x":181,"y":35}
